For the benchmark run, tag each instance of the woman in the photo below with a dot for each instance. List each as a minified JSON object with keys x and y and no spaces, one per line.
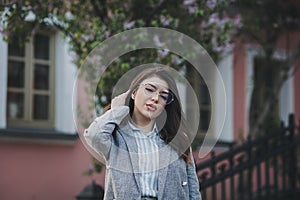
{"x":144,"y":141}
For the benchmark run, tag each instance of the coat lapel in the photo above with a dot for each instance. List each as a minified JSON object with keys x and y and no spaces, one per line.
{"x":164,"y":161}
{"x":132,"y":151}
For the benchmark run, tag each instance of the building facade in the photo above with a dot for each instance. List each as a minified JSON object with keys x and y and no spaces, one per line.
{"x":42,"y":155}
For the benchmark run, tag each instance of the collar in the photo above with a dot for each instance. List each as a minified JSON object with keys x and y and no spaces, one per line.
{"x":136,"y":132}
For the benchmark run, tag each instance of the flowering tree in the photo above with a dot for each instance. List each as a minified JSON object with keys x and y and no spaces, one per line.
{"x":87,"y":23}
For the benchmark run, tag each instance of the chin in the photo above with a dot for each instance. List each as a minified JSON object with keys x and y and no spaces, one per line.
{"x":151,"y":115}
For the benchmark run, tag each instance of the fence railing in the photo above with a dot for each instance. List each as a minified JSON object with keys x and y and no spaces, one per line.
{"x":263,"y":168}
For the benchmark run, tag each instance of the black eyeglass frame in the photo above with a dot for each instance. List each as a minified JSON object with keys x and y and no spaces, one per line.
{"x":167,"y":102}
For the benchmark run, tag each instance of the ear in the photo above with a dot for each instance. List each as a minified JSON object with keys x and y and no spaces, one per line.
{"x":133,"y":94}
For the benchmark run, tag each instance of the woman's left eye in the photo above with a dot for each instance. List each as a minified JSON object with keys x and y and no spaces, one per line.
{"x":164,"y":97}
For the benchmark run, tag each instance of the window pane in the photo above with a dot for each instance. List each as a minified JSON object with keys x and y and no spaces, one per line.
{"x":204,"y":119}
{"x":41,"y":47}
{"x":15,"y":108}
{"x":41,"y":77}
{"x":40,"y":107}
{"x":16,"y":49}
{"x":15,"y":74}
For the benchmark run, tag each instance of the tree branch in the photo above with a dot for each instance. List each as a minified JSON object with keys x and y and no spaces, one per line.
{"x":294,"y":70}
{"x":100,"y":10}
{"x":154,"y":12}
{"x":255,"y":129}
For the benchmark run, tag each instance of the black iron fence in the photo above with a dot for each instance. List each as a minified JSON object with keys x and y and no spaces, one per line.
{"x":264,"y":168}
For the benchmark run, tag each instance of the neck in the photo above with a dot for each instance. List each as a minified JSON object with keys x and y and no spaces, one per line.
{"x":145,"y":125}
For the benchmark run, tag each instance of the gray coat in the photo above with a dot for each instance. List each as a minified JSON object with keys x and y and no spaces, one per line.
{"x":176,"y":180}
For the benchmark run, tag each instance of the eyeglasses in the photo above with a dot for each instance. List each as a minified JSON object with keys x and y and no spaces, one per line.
{"x":165,"y":96}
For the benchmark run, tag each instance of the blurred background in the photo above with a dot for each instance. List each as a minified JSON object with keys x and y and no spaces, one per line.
{"x":254,"y":43}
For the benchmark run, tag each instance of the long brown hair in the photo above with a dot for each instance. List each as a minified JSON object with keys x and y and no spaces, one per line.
{"x":175,"y":122}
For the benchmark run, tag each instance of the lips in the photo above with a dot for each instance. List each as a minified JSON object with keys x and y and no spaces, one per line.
{"x":150,"y":107}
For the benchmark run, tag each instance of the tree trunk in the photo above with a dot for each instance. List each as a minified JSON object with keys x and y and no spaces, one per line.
{"x":264,"y":109}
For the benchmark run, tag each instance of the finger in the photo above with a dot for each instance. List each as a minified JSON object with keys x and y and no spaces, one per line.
{"x":125,"y":94}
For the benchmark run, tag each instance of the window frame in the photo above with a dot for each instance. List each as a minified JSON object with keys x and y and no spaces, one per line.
{"x":29,"y":91}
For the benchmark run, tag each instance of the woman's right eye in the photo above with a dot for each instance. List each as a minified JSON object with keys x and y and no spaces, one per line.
{"x":150,"y":89}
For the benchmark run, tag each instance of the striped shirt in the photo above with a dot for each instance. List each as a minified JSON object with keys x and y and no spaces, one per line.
{"x":148,"y":157}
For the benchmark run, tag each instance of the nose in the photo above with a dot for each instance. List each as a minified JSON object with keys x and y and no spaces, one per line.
{"x":155,"y":97}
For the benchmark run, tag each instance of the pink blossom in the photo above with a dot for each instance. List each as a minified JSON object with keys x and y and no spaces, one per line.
{"x":157,"y":41}
{"x":69,"y":15}
{"x":176,"y":60}
{"x":162,"y":53}
{"x":107,"y":34}
{"x":129,"y":25}
{"x":188,"y":2}
{"x":192,"y":9}
{"x":213,"y":19}
{"x":165,"y":21}
{"x":211,"y":4}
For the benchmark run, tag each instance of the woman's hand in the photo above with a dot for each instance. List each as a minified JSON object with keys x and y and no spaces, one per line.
{"x":119,"y":100}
